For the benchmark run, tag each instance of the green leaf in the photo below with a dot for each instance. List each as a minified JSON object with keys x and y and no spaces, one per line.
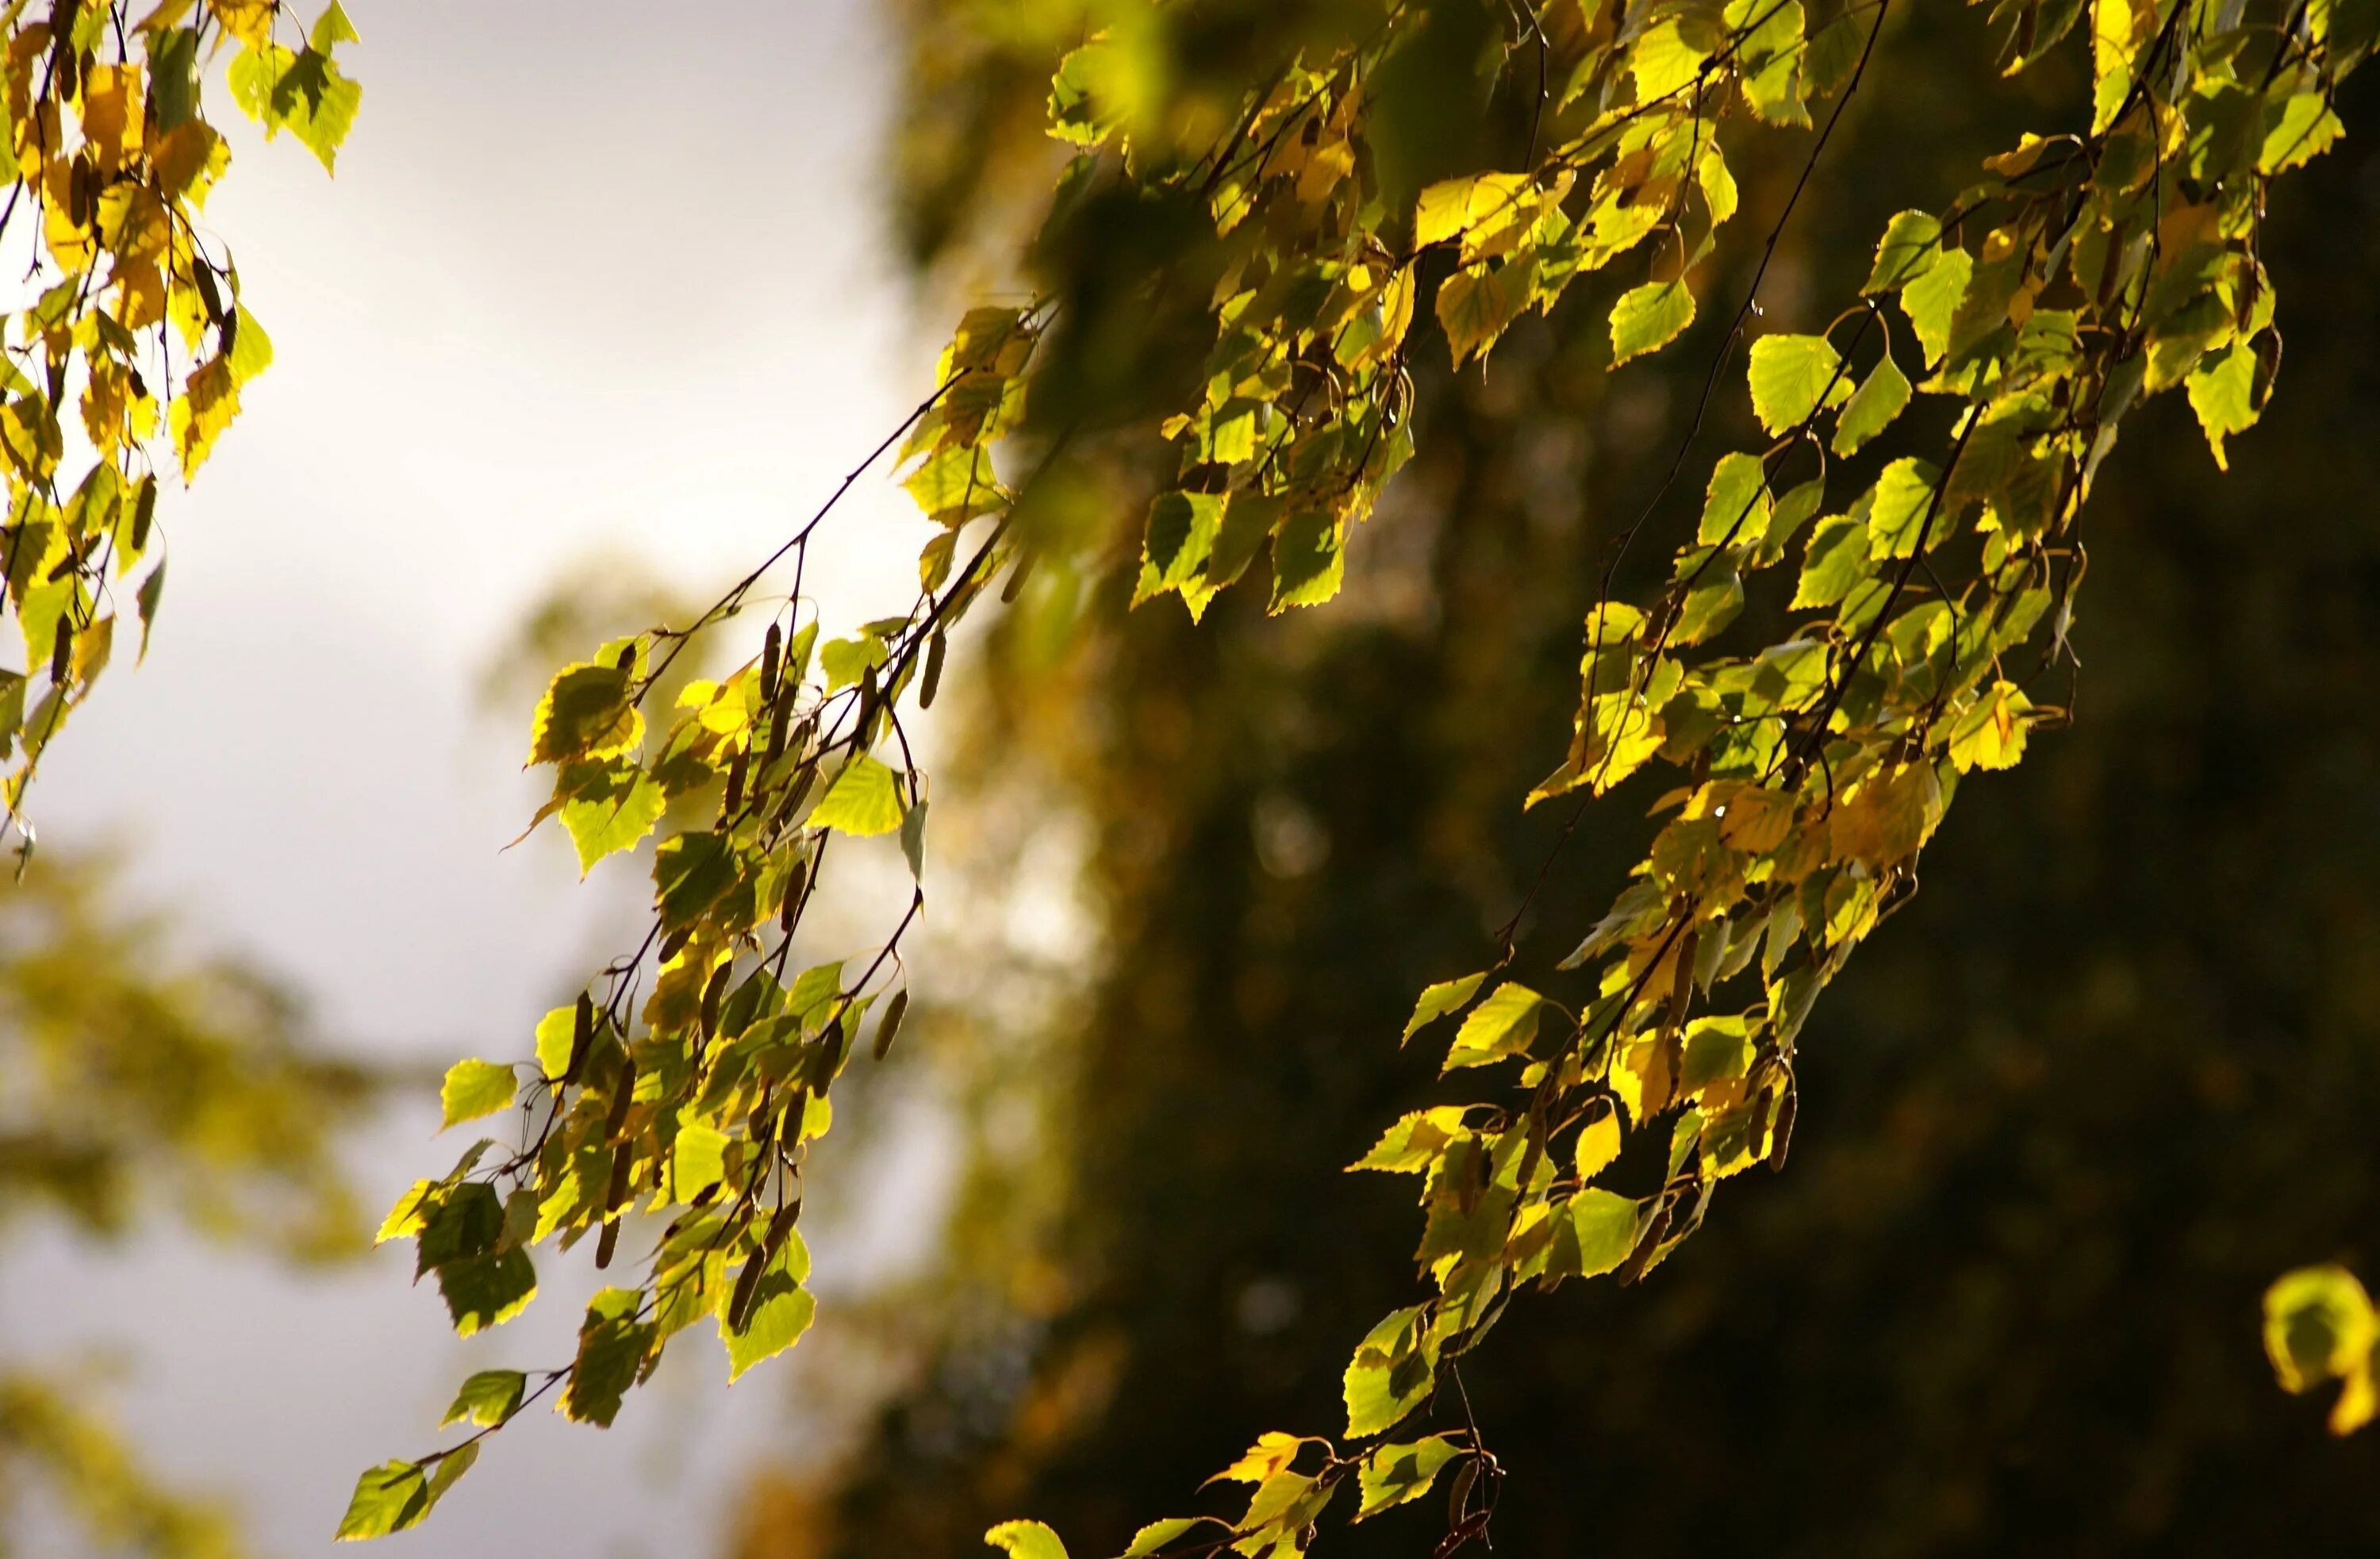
{"x":1177,"y":540}
{"x":1792,"y":513}
{"x":584,"y":712}
{"x":1717,"y":1048}
{"x":1309,"y":559}
{"x":305,"y":93}
{"x":698,"y":1159}
{"x":153,"y":589}
{"x":1931,"y":301}
{"x":1769,"y":51}
{"x":1648,"y":318}
{"x":1157,"y":1534}
{"x":1713,"y":604}
{"x":1439,"y":1000}
{"x":613,"y":1347}
{"x":1735,"y":506}
{"x":457,"y":1222}
{"x":488,"y":1398}
{"x":1834,"y":563}
{"x":780,"y":1310}
{"x":614,"y":804}
{"x":451,"y":1468}
{"x":2223,"y":394}
{"x":1477,"y":304}
{"x":1902,"y":506}
{"x":485,"y":1291}
{"x":474,"y":1088}
{"x":1912,"y":243}
{"x":1392,"y":1474}
{"x":1790,"y":376}
{"x":1505,"y":1024}
{"x":389,"y":1498}
{"x":1605,"y":1225}
{"x":863,"y":800}
{"x":913,"y":840}
{"x":2306,"y":129}
{"x":1833,"y":54}
{"x":691,"y":872}
{"x":174,"y":63}
{"x":846,"y":661}
{"x":1025,"y":1540}
{"x":1393,"y":1369}
{"x":1872,"y":407}
{"x":1414,"y":1143}
{"x":395,"y":1495}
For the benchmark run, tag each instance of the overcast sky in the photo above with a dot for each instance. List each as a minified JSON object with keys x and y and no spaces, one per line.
{"x":591,"y":273}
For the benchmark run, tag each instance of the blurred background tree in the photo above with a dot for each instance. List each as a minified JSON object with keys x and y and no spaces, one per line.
{"x":139,"y":1087}
{"x":2062,"y":1121}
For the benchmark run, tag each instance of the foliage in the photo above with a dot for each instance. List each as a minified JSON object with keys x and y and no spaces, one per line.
{"x":136,"y":1084}
{"x":130,"y":335}
{"x":1235,"y":259}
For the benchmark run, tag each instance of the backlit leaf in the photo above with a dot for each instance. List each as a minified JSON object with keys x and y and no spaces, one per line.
{"x":1648,"y":318}
{"x":1025,"y":1540}
{"x":474,"y":1088}
{"x":864,"y":799}
{"x":1791,"y":376}
{"x":1437,"y":1000}
{"x":487,"y":1398}
{"x":779,"y":1313}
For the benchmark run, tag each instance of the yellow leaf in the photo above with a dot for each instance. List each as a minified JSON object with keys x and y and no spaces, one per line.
{"x":1271,"y":1454}
{"x":1991,"y":734}
{"x":208,"y":403}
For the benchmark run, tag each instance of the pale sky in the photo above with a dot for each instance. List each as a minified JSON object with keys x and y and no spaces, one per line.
{"x":591,"y":273}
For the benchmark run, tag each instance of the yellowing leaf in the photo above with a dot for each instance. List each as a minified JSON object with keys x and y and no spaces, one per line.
{"x":407,"y":1216}
{"x":1883,"y":397}
{"x":1439,"y":1000}
{"x":863,"y":800}
{"x":2307,"y":127}
{"x":1271,"y":1454}
{"x":388,"y":1498}
{"x":1991,"y":734}
{"x":585,"y":713}
{"x":474,"y":1088}
{"x":1605,"y":1224}
{"x":1414,"y":1143}
{"x":1157,"y":1534}
{"x":1648,"y":318}
{"x":1912,"y":243}
{"x":779,"y":1312}
{"x":614,"y":804}
{"x":1902,"y":508}
{"x":1792,"y":377}
{"x":1736,"y":505}
{"x":1452,"y":208}
{"x":2223,"y":394}
{"x":1025,"y":1540}
{"x":487,"y":1398}
{"x":1768,"y":54}
{"x":1931,"y":301}
{"x":1475,"y":304}
{"x":1599,"y":1144}
{"x":1505,"y":1024}
{"x":1664,"y":60}
{"x":1391,"y":1475}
